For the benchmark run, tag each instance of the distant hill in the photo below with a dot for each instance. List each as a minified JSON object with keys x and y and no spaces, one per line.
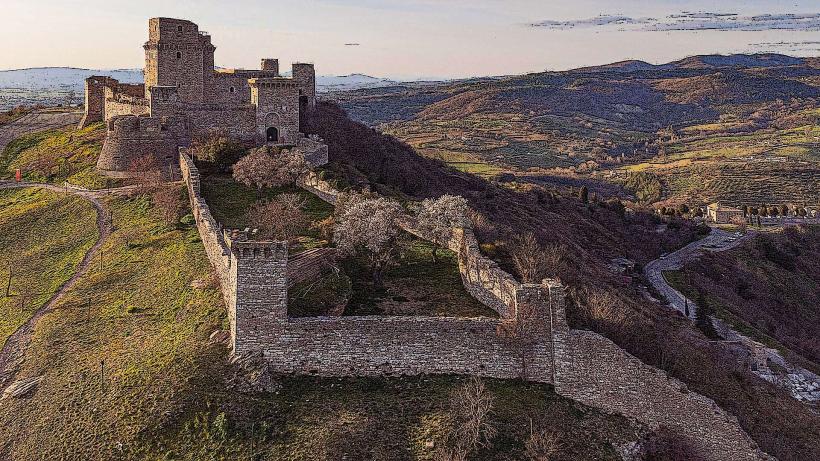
{"x":71,"y":79}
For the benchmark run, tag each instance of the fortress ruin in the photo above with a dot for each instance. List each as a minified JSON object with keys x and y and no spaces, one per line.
{"x":184,"y":98}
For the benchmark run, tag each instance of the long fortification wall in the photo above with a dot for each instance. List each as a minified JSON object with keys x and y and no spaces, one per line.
{"x":372,"y":346}
{"x":595,"y":371}
{"x":210,"y":232}
{"x":583,"y":365}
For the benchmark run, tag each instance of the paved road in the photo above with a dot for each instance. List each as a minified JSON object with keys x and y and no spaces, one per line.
{"x":38,"y":121}
{"x":801,"y":383}
{"x":717,"y":240}
{"x":13,"y":352}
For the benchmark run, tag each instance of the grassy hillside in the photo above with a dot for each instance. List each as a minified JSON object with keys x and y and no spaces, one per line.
{"x":588,"y":236}
{"x":58,"y":155}
{"x":43,"y":236}
{"x":129,"y":373}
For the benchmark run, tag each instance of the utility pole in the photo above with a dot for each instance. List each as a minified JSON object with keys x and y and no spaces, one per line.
{"x":8,"y":283}
{"x":102,"y":375}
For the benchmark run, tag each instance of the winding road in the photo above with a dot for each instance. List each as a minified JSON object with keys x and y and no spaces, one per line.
{"x":13,"y":352}
{"x":801,"y":383}
{"x":717,"y":240}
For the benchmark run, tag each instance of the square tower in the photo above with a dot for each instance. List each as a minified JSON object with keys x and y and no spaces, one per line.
{"x":178,"y":54}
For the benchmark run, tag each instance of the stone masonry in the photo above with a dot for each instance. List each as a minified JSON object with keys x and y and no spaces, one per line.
{"x":582,"y":365}
{"x":183,"y":90}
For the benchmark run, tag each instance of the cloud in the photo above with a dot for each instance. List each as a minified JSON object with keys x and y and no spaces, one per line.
{"x":693,"y":21}
{"x":803,"y":22}
{"x":603,"y":20}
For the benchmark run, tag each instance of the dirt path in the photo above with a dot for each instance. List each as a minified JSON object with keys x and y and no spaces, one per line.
{"x":13,"y":352}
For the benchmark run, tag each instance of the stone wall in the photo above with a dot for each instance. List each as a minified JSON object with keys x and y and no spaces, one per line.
{"x":211,"y":234}
{"x":373,"y":346}
{"x":129,"y":102}
{"x":596,"y":372}
{"x":584,"y":366}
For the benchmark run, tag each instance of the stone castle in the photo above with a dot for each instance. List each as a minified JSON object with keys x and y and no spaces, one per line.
{"x":184,"y":98}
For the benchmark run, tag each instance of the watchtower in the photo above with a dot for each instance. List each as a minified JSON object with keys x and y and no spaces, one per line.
{"x":259,"y":275}
{"x":178,"y":54}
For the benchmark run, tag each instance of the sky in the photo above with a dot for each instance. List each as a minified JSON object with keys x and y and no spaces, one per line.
{"x":410,"y":39}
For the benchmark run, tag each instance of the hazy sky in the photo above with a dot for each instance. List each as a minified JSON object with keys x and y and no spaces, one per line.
{"x":410,"y":38}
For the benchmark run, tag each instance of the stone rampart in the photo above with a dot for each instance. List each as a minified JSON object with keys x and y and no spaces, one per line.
{"x":210,"y":232}
{"x":532,"y":340}
{"x":372,"y":346}
{"x":595,"y":371}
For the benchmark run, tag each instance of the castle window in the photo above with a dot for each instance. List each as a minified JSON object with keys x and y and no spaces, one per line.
{"x":233,"y":89}
{"x":179,"y":28}
{"x":179,"y":54}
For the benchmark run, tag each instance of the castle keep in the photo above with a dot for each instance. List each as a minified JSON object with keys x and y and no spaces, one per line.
{"x":184,"y":97}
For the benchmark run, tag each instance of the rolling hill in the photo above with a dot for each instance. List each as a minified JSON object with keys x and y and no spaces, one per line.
{"x":597,"y":125}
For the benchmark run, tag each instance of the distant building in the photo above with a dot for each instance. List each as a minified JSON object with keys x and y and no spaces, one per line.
{"x":720,"y":214}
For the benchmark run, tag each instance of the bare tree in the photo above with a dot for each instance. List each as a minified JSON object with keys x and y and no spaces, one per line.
{"x":282,"y":218}
{"x":437,"y":218}
{"x":520,"y":332}
{"x":543,"y":445}
{"x":603,"y":311}
{"x":534,"y":262}
{"x":265,"y":167}
{"x":368,"y":226}
{"x":470,"y":425}
{"x":169,"y":202}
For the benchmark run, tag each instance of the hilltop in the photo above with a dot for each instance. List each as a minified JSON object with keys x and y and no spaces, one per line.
{"x":598,"y":125}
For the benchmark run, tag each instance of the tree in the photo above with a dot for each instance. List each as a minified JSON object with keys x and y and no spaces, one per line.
{"x":436,"y":218}
{"x":603,"y":311}
{"x":543,"y":445}
{"x":784,"y":210}
{"x":146,"y":171}
{"x":470,"y":426}
{"x":683,"y":208}
{"x":264,"y":167}
{"x":583,"y":194}
{"x":169,"y":202}
{"x":745,"y":210}
{"x":368,"y":226}
{"x":218,"y":150}
{"x":282,"y":218}
{"x":533,"y":261}
{"x":703,"y":317}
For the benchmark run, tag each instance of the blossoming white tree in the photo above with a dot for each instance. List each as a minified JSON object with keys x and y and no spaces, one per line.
{"x":368,"y":226}
{"x":437,"y":218}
